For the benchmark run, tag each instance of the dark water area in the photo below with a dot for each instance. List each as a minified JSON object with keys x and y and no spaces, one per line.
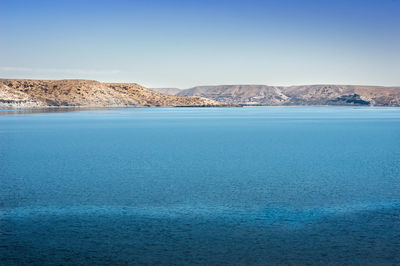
{"x":206,"y":186}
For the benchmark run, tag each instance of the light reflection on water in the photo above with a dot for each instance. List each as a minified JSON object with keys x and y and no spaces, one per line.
{"x":28,"y":111}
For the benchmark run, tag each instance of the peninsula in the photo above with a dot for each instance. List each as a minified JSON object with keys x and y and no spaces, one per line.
{"x":23,"y":93}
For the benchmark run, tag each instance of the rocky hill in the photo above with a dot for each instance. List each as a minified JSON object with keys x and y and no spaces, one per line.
{"x":299,"y":95}
{"x":37,"y":93}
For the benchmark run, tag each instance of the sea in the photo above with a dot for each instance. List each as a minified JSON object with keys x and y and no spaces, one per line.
{"x":200,"y":186}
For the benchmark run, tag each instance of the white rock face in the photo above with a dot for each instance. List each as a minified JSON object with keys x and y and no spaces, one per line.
{"x":16,"y":99}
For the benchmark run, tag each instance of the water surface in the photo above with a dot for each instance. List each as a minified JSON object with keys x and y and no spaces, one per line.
{"x":252,"y":185}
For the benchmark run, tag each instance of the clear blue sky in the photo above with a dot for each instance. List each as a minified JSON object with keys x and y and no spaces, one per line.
{"x":187,"y":43}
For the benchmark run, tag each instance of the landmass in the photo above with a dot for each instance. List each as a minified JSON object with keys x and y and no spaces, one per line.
{"x":299,"y":95}
{"x":23,"y":93}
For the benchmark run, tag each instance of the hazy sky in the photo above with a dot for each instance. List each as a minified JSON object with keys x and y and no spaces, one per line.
{"x":187,"y":43}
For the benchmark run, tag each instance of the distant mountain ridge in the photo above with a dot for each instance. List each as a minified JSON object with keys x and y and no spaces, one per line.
{"x":169,"y":91}
{"x":299,"y":95}
{"x":38,"y":93}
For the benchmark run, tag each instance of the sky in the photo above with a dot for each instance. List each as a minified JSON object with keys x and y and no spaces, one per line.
{"x":182,"y":44}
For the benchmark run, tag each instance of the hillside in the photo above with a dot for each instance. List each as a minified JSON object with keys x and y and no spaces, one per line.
{"x":299,"y":95}
{"x":37,"y":93}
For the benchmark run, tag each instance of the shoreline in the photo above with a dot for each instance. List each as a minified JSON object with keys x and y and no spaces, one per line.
{"x":6,"y":108}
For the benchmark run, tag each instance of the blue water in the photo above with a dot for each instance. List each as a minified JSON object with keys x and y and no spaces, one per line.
{"x":207,"y":186}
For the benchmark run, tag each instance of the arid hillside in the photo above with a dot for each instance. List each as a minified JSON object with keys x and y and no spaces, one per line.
{"x":37,"y":93}
{"x":299,"y":95}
